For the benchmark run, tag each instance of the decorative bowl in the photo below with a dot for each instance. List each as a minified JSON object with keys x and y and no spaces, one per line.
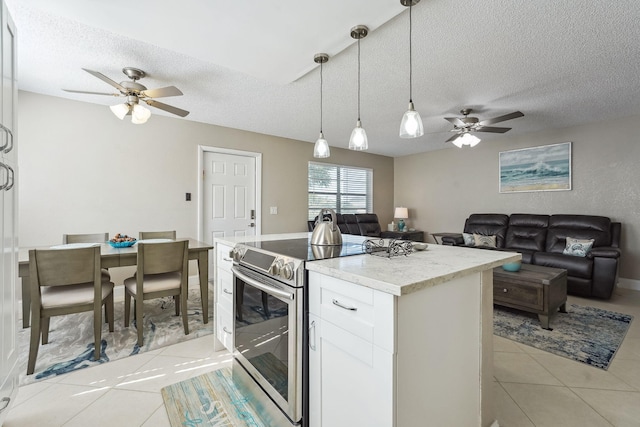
{"x":124,"y":244}
{"x":512,"y":266}
{"x":419,"y":246}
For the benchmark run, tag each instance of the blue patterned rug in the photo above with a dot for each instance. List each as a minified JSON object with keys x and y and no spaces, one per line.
{"x":71,"y":340}
{"x":211,"y":399}
{"x":586,"y":334}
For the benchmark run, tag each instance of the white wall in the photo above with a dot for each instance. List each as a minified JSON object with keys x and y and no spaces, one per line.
{"x":442,"y":188}
{"x":83,"y":170}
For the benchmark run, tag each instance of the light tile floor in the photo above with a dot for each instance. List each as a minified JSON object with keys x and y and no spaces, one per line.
{"x":531,"y":388}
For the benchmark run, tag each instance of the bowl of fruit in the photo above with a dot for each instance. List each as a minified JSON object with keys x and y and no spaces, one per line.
{"x":122,"y":241}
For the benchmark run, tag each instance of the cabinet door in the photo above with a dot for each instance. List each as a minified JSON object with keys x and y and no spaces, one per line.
{"x":224,"y":327}
{"x":351,"y":380}
{"x":9,"y":87}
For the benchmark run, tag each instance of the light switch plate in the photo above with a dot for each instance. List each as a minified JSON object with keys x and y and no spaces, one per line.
{"x":273,"y":210}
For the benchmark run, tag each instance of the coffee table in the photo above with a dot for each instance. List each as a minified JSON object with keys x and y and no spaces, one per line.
{"x":535,"y":289}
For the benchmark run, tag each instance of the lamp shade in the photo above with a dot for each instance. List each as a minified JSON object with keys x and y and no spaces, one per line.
{"x":411,"y":125}
{"x":321,"y":148}
{"x":139,"y":114}
{"x":120,"y":110}
{"x":401,"y":213}
{"x":466,"y":139}
{"x":358,"y":140}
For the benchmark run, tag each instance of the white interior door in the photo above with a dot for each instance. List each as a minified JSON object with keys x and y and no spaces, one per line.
{"x":230,"y":196}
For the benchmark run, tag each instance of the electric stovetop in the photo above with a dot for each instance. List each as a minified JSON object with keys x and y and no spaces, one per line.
{"x":302,"y":249}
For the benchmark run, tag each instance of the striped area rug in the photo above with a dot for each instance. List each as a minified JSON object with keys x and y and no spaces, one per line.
{"x":211,"y":399}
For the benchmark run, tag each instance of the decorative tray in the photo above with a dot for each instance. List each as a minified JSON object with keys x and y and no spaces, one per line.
{"x":395,"y":248}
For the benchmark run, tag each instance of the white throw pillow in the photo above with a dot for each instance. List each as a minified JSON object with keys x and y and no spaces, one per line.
{"x":486,"y":241}
{"x":578,"y":247}
{"x":468,"y":239}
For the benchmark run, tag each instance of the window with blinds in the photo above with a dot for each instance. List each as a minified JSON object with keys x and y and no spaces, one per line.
{"x":345,"y":189}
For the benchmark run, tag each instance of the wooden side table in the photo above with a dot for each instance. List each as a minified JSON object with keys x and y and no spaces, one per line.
{"x":416,"y":236}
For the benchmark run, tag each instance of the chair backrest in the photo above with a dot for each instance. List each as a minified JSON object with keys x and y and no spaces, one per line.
{"x":527,"y":232}
{"x":167,"y":257}
{"x":60,"y":267}
{"x":85,"y":238}
{"x":368,"y":224}
{"x":577,"y":227}
{"x":488,"y":225}
{"x":157,"y":235}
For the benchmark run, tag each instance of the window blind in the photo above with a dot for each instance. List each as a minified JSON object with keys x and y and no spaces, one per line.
{"x":345,"y":189}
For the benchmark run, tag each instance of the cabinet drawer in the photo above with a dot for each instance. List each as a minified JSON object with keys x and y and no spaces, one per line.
{"x":224,"y":288}
{"x":529,"y":295}
{"x":224,"y":327}
{"x":223,"y":260}
{"x":361,"y":311}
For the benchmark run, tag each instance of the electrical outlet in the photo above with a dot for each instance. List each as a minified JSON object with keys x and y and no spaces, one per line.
{"x":273,"y":210}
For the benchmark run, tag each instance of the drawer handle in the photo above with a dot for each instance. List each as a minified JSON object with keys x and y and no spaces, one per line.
{"x":227,"y":291}
{"x":224,"y":328}
{"x":312,"y":342}
{"x":346,"y":307}
{"x":505,"y":290}
{"x":227,"y":259}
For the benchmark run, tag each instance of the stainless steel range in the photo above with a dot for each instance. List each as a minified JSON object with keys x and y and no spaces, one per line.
{"x":270,"y":317}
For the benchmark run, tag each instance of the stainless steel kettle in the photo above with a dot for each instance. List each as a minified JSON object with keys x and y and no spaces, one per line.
{"x":326,"y":232}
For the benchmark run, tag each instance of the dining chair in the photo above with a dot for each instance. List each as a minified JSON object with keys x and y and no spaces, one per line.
{"x":162,"y":270}
{"x":158,"y":235}
{"x":88,"y":238}
{"x":66,"y":281}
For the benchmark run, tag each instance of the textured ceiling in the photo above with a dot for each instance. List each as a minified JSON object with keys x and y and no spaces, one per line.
{"x":246,"y":64}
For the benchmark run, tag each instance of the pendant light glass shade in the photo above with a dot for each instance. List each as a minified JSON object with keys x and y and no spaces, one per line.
{"x":411,"y":124}
{"x":358,"y":140}
{"x":120,"y":110}
{"x":466,"y":139}
{"x":321,"y":148}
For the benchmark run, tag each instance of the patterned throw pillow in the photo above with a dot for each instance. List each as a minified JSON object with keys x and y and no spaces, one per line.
{"x":468,"y":239}
{"x":578,"y":247}
{"x":486,"y":241}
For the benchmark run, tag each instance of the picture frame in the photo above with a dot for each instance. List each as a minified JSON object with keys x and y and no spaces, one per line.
{"x":543,"y":168}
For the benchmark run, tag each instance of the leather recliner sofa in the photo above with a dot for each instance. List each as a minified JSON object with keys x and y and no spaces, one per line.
{"x":541,"y":239}
{"x":358,"y":224}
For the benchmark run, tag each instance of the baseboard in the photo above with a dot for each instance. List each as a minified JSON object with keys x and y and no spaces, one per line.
{"x":629,"y":284}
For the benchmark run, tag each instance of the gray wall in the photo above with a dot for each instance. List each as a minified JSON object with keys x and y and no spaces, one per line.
{"x":83,"y":170}
{"x":442,"y":188}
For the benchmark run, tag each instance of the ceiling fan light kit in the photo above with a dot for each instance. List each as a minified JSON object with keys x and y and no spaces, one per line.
{"x":358,"y":140}
{"x":411,"y":124}
{"x":136,"y":92}
{"x":321,"y":148}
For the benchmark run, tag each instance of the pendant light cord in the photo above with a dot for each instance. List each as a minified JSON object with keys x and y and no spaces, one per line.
{"x":410,"y":57}
{"x":321,"y":97}
{"x":358,"y":79}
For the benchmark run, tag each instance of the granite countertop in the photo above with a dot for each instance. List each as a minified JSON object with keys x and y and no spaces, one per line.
{"x":399,"y":275}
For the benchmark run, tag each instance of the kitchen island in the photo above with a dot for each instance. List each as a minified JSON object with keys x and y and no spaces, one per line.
{"x":405,"y":341}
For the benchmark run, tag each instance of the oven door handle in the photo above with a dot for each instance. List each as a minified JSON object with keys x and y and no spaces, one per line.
{"x":268,"y":289}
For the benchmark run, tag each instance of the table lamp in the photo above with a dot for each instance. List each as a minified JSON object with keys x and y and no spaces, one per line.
{"x":401,"y":214}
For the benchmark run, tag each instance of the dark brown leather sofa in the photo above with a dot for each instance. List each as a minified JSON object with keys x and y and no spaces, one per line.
{"x":358,"y":224}
{"x":541,"y":239}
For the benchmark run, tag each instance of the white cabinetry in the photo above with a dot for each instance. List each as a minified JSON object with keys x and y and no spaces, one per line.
{"x":224,"y":296}
{"x":376,"y":359}
{"x":8,"y":225}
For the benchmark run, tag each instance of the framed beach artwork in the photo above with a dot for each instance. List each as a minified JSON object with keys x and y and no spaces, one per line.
{"x":545,"y":168}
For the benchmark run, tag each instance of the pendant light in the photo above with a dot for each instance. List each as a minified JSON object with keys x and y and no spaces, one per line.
{"x":411,"y":125}
{"x":321,"y":147}
{"x":358,"y":140}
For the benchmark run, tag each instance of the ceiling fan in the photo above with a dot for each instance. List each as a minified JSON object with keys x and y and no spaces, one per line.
{"x":464,"y":126}
{"x":135,"y":92}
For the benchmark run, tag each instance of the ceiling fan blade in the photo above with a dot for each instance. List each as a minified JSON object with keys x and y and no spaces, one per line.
{"x":491,"y":129}
{"x":453,"y":138}
{"x":456,"y":121}
{"x":504,"y":118}
{"x":91,"y":93}
{"x":162,"y":92}
{"x":173,"y":110}
{"x":107,"y":80}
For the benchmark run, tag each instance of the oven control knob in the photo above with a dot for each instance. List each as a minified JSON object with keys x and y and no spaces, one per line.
{"x":287,"y":271}
{"x":236,"y":254}
{"x":276,"y":268}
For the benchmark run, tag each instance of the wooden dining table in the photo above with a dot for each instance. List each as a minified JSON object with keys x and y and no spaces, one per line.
{"x":121,"y":257}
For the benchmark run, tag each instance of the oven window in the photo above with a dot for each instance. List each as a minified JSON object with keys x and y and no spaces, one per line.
{"x":262,"y":332}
